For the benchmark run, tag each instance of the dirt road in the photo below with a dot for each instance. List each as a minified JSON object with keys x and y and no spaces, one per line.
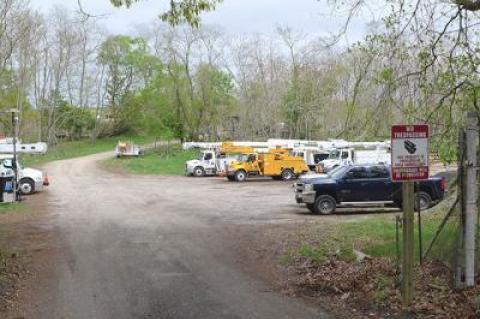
{"x":155,"y":247}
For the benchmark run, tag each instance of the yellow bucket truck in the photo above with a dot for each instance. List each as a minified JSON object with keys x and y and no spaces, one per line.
{"x":276,"y":163}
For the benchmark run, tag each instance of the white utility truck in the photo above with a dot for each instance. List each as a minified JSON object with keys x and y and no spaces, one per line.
{"x":311,"y":155}
{"x":215,"y":161}
{"x":349,"y":156}
{"x":30,"y":180}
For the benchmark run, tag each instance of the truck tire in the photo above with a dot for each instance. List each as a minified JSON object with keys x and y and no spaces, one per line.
{"x":198,"y":171}
{"x":287,"y":174}
{"x":240,"y":176}
{"x":324,"y":205}
{"x":231,"y":178}
{"x":425,"y":200}
{"x":27,"y":186}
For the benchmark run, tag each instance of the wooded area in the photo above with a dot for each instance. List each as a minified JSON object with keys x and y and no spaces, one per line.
{"x":71,"y":78}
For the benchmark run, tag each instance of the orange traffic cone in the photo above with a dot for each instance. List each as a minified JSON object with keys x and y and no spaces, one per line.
{"x":46,"y":182}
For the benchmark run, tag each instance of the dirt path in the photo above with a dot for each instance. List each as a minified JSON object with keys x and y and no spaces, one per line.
{"x":155,"y":247}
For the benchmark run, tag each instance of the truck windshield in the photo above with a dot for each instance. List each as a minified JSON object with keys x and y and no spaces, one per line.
{"x":338,"y":172}
{"x":334,"y":154}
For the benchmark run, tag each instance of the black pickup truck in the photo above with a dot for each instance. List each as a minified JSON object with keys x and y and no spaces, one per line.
{"x":363,"y":185}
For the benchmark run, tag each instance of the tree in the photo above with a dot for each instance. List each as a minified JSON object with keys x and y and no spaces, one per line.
{"x":128,"y":62}
{"x":180,"y":10}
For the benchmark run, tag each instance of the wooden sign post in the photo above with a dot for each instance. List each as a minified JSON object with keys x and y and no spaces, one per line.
{"x":409,"y":164}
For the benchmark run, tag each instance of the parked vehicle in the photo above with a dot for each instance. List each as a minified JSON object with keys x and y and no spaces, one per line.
{"x":312,"y":156}
{"x":128,"y":149}
{"x":351,"y":156}
{"x":276,"y":163}
{"x":215,"y":161}
{"x":30,"y":180}
{"x":363,"y":185}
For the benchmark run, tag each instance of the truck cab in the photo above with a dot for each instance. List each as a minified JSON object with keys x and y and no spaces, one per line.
{"x":205,"y":164}
{"x":350,"y":156}
{"x":312,"y":156}
{"x":30,"y":180}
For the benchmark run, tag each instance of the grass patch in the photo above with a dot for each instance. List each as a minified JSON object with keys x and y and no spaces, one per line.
{"x":376,"y":237}
{"x":162,"y":161}
{"x":72,"y":149}
{"x":12,"y":208}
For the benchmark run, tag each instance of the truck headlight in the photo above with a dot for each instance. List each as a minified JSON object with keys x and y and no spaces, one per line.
{"x":308,"y":187}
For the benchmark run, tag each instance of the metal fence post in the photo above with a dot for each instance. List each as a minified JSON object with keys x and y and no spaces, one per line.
{"x":471,"y":209}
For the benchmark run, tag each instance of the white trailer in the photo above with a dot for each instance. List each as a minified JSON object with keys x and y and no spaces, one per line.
{"x":128,"y":149}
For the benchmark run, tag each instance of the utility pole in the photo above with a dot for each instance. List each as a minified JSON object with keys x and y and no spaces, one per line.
{"x":470,"y":197}
{"x":14,"y":164}
{"x":408,"y":195}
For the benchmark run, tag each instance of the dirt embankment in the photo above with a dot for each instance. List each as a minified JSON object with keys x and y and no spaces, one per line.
{"x":349,"y":289}
{"x":25,"y":251}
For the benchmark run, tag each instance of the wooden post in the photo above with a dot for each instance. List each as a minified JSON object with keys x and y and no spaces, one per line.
{"x":420,"y":240}
{"x":408,"y":196}
{"x":471,"y":198}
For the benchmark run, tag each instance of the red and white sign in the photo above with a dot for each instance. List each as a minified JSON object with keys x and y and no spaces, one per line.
{"x":410,"y":152}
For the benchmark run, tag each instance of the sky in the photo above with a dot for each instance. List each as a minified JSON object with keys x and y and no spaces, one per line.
{"x":236,"y":17}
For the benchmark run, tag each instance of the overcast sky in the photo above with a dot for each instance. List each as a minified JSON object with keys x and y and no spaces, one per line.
{"x":236,"y":17}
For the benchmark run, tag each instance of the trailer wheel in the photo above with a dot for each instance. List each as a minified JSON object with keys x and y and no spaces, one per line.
{"x":324,"y":205}
{"x":240,"y":175}
{"x":287,"y":174}
{"x":198,"y":171}
{"x":425,"y":200}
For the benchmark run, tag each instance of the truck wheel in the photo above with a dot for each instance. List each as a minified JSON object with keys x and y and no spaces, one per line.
{"x":324,"y":205}
{"x":425,"y":200}
{"x":198,"y":171}
{"x":230,"y":178}
{"x":287,"y":174}
{"x":240,"y":176}
{"x":27,"y":186}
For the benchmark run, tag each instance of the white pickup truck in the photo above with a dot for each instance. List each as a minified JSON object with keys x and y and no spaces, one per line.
{"x":30,"y":180}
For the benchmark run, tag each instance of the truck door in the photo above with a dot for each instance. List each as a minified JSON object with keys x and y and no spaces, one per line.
{"x":380,"y":188}
{"x":209,"y":160}
{"x":352,"y":187}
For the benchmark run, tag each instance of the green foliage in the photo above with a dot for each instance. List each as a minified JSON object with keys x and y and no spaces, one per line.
{"x":163,"y":161}
{"x":83,"y":147}
{"x":129,"y":64}
{"x":180,"y":11}
{"x":75,"y":120}
{"x":12,"y":96}
{"x":315,"y":254}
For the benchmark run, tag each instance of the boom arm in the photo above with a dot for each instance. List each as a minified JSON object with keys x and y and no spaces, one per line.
{"x":32,"y":148}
